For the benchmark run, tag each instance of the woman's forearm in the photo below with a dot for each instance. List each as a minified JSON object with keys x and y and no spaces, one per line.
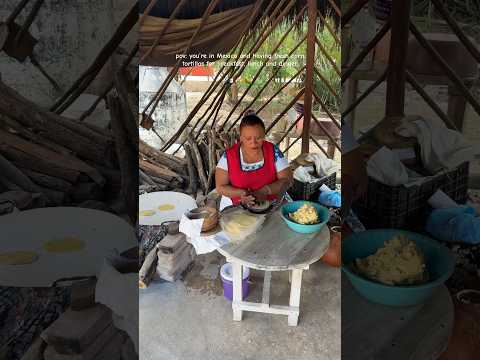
{"x":230,"y":191}
{"x":279,"y":187}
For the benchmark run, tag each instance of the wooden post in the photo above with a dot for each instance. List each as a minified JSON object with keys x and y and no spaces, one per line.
{"x":400,"y":19}
{"x":312,"y":21}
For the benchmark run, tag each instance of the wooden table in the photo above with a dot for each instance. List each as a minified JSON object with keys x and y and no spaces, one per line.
{"x":377,"y":332}
{"x":274,"y":248}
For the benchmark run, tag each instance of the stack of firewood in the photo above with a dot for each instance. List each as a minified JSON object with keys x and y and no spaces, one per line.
{"x":203,"y":155}
{"x":192,"y":174}
{"x":160,"y":171}
{"x":49,"y":160}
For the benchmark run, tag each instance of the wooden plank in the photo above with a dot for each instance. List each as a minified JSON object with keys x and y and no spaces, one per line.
{"x":276,"y":247}
{"x":461,"y":87}
{"x":354,"y":9}
{"x":308,"y":95}
{"x":237,"y":290}
{"x":266,"y":288}
{"x":418,"y":88}
{"x":295,"y":293}
{"x":457,"y":30}
{"x":395,"y":99}
{"x":347,"y":72}
{"x":353,"y":101}
{"x":272,"y":309}
{"x":413,"y":332}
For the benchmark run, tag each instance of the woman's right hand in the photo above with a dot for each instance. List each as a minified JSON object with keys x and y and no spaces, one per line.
{"x":247,"y":198}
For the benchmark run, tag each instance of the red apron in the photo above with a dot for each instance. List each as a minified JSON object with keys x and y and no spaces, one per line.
{"x":255,"y":179}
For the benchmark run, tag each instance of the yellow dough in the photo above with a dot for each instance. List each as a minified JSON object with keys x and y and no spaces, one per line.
{"x":166,"y":207}
{"x":64,"y":245}
{"x":240,"y":223}
{"x":147,"y":213}
{"x":306,"y":214}
{"x":399,"y":261}
{"x":18,"y":257}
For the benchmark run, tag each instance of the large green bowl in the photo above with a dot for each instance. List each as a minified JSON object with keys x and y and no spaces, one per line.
{"x":439,"y":261}
{"x":293,"y":206}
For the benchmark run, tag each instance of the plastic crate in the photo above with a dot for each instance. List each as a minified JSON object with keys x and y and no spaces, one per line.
{"x":400,"y":207}
{"x":310,"y":191}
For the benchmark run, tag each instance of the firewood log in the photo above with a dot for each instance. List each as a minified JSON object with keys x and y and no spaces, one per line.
{"x":24,"y":160}
{"x":66,"y":132}
{"x":56,"y":198}
{"x":172,"y":162}
{"x":148,"y":269}
{"x":40,"y":152}
{"x":192,"y":172}
{"x":47,"y":181}
{"x":158,"y":171}
{"x":199,"y":162}
{"x":127,"y":156}
{"x":16,"y":176}
{"x":86,"y":191}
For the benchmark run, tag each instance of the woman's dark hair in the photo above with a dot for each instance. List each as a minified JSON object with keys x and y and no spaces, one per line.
{"x":252,"y":120}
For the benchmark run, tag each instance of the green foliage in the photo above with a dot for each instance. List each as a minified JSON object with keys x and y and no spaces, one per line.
{"x":290,"y":66}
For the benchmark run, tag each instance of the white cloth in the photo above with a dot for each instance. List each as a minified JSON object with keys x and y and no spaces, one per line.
{"x":208,"y":244}
{"x":385,"y":166}
{"x":441,"y":148}
{"x":324,"y":165}
{"x":202,"y":244}
{"x":119,"y":292}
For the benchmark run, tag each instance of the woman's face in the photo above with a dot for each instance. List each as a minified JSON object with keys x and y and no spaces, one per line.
{"x":252,"y":137}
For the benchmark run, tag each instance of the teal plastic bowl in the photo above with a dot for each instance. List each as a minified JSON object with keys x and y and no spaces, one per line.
{"x":291,"y":207}
{"x":439,"y":261}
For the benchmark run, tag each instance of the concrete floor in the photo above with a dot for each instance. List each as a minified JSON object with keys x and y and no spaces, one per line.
{"x":191,"y":320}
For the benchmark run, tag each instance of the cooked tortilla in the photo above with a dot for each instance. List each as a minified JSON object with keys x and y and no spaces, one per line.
{"x":64,"y":245}
{"x":147,"y":213}
{"x":18,"y":257}
{"x":166,"y":207}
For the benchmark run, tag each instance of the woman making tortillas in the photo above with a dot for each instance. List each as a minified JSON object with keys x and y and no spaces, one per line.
{"x":253,"y":170}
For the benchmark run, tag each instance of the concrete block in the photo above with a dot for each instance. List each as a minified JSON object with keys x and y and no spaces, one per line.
{"x":83,"y":295}
{"x":74,"y":331}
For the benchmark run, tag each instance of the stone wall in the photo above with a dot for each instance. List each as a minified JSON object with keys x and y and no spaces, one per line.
{"x":71,"y":33}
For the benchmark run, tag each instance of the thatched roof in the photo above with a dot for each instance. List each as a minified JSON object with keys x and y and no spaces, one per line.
{"x":195,"y":9}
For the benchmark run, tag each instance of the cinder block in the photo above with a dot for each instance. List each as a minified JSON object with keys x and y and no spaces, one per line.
{"x":74,"y":331}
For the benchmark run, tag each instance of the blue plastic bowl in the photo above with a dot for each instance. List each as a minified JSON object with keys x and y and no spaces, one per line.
{"x":291,"y":207}
{"x":439,"y":261}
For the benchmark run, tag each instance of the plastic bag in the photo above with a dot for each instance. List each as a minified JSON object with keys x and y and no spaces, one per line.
{"x":330,"y":198}
{"x":238,"y":223}
{"x":459,"y":224}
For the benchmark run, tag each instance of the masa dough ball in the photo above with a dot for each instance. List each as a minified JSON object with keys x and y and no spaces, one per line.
{"x":64,"y":245}
{"x":306,"y":214}
{"x":18,"y":257}
{"x":399,"y":261}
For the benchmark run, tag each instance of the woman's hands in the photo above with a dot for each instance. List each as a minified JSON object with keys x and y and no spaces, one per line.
{"x":247,"y":198}
{"x":262,"y":193}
